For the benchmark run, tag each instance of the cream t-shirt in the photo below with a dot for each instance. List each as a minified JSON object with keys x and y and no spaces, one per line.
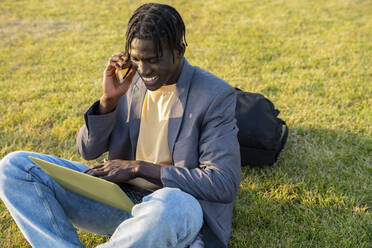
{"x":152,"y":144}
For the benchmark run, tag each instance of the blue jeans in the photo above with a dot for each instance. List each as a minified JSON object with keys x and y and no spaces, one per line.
{"x":46,"y":213}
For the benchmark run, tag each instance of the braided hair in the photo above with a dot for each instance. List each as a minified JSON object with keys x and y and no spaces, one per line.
{"x":160,"y":23}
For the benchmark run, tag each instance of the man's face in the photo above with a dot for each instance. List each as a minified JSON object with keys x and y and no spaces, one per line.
{"x":155,"y":71}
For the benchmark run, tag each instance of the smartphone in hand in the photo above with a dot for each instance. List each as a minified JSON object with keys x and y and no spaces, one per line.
{"x":122,"y":73}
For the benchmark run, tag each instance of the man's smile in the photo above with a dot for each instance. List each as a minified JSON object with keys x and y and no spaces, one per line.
{"x":147,"y":79}
{"x":150,"y":80}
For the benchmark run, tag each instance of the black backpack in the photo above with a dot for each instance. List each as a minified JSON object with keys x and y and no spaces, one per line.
{"x":260,"y":133}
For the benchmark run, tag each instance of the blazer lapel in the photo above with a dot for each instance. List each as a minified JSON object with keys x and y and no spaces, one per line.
{"x":178,"y":108}
{"x":135,"y":100}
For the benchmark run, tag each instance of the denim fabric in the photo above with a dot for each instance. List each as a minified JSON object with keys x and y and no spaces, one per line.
{"x":47,"y":214}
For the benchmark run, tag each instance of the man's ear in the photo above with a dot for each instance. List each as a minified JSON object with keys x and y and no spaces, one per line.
{"x":180,"y":52}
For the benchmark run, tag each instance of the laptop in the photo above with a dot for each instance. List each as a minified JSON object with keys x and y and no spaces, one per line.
{"x":89,"y":186}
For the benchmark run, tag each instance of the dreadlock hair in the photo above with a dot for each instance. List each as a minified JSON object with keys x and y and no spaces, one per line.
{"x":160,"y":23}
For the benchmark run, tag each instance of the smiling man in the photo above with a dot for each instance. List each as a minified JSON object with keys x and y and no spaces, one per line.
{"x":169,"y":127}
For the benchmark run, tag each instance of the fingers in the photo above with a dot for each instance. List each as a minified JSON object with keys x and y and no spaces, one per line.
{"x":100,"y":173}
{"x":91,"y":170}
{"x":113,"y":64}
{"x":117,"y":171}
{"x":88,"y":171}
{"x":120,"y":60}
{"x":110,"y":178}
{"x":97,"y":172}
{"x":98,"y":166}
{"x":124,"y":55}
{"x":117,"y":177}
{"x":119,"y":64}
{"x":105,"y":166}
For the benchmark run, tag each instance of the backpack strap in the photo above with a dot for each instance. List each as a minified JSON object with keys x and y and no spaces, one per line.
{"x":283,"y":140}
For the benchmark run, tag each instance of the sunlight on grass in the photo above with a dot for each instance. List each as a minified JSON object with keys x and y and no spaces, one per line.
{"x":311,"y":58}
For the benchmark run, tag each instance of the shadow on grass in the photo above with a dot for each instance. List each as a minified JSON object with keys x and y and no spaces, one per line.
{"x":315,"y":196}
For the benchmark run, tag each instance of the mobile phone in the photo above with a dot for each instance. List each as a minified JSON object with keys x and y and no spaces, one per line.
{"x":122,"y":73}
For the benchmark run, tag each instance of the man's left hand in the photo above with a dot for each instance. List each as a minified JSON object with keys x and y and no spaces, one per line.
{"x":120,"y":171}
{"x":117,"y":171}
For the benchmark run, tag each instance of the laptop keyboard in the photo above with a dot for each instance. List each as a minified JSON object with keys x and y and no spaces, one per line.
{"x":134,"y":193}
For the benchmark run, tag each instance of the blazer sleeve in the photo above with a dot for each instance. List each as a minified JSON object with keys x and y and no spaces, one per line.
{"x":218,"y":175}
{"x":93,"y":137}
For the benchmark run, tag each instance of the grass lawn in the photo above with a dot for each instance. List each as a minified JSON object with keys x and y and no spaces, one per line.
{"x":313,"y":59}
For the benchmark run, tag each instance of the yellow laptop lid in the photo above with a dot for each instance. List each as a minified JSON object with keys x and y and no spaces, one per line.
{"x":86,"y":185}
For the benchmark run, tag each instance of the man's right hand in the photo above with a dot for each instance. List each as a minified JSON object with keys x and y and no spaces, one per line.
{"x":112,"y":88}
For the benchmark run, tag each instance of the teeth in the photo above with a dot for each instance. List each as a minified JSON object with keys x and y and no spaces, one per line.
{"x":149,"y":79}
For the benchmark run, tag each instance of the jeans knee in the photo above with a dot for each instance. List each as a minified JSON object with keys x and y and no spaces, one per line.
{"x":7,"y":170}
{"x":166,"y":218}
{"x":174,"y":207}
{"x":12,"y":161}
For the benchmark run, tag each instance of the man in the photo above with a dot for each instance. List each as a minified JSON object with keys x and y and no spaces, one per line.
{"x":169,"y":127}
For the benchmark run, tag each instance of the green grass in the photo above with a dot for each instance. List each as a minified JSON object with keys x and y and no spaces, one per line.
{"x":313,"y":59}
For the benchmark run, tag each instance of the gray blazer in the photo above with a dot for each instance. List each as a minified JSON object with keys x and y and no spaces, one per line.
{"x":202,"y":138}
